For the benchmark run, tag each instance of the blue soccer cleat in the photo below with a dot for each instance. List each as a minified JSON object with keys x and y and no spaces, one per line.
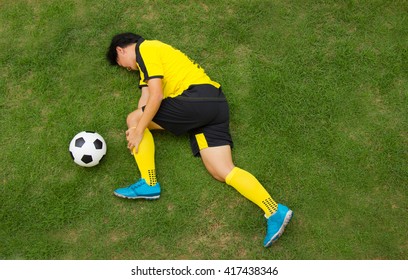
{"x":276,"y":224}
{"x":138,"y":190}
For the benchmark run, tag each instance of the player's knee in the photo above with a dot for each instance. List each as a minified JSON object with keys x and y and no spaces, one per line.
{"x":134,"y":117}
{"x":218,"y":177}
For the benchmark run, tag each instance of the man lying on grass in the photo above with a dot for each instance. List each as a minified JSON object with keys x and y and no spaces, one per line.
{"x":178,"y":96}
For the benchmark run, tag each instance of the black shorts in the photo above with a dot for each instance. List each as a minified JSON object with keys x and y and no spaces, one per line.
{"x":202,"y":112}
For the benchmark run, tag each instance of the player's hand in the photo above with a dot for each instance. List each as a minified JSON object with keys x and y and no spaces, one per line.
{"x":134,"y":138}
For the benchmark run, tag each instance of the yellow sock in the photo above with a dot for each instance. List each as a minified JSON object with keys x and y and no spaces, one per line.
{"x":247,"y":185}
{"x":145,"y":158}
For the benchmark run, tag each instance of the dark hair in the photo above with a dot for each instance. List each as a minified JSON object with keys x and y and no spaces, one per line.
{"x":121,"y":40}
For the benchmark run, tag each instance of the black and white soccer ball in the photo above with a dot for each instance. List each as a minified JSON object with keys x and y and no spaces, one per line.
{"x":87,"y":148}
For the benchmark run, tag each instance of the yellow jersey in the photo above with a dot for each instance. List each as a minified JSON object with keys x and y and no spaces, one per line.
{"x":178,"y":72}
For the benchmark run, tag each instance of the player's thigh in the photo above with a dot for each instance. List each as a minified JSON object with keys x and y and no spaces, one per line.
{"x":134,"y":117}
{"x":154,"y":126}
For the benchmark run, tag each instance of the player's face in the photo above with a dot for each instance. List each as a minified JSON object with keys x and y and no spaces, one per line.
{"x":126,"y":58}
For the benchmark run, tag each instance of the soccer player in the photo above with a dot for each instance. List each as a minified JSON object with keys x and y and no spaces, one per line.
{"x":177,"y":95}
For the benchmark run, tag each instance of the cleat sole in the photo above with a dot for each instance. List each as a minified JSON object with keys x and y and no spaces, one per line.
{"x":138,"y":197}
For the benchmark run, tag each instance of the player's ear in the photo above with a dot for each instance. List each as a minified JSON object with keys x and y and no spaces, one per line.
{"x":119,"y":50}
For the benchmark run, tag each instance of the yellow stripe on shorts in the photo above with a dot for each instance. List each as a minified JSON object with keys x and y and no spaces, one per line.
{"x":201,"y":141}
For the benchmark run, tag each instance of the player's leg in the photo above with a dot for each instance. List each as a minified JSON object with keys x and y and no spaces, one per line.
{"x":145,"y":157}
{"x":218,"y":161}
{"x":147,"y":187}
{"x":165,"y":118}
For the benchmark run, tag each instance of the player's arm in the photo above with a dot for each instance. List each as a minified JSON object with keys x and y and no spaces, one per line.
{"x":155,"y":97}
{"x":143,"y":97}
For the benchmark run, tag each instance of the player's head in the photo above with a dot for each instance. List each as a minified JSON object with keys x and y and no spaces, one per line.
{"x":122,"y":41}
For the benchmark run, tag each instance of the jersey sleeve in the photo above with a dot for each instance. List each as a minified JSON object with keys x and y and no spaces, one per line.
{"x":142,"y":82}
{"x":149,"y":61}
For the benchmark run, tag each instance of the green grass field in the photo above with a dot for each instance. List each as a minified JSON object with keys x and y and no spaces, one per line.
{"x":318,"y":92}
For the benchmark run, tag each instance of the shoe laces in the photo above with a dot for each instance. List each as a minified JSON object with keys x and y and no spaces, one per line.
{"x":138,"y":184}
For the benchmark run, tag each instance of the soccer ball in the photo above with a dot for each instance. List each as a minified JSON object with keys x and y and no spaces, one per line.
{"x":87,"y":148}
